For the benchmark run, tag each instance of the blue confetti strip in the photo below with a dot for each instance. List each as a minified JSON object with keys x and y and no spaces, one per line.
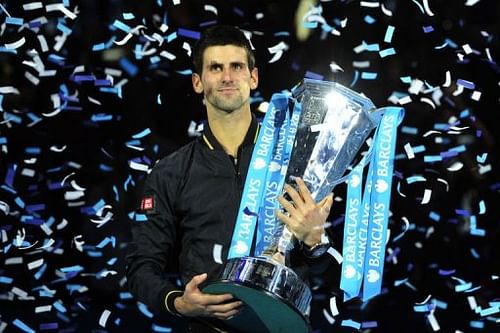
{"x":387,"y":52}
{"x":351,"y":323}
{"x":144,"y":310}
{"x":388,"y":34}
{"x":368,"y":75}
{"x":369,"y":20}
{"x":189,"y":33}
{"x":161,"y":329}
{"x":19,"y":324}
{"x":466,"y":84}
{"x":314,"y":76}
{"x":122,"y":26}
{"x":428,"y":28}
{"x":14,"y":21}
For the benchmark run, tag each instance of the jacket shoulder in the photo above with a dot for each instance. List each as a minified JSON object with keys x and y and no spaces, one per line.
{"x":178,"y":160}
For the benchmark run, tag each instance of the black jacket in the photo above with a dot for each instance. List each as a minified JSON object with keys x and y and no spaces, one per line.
{"x":191,"y":200}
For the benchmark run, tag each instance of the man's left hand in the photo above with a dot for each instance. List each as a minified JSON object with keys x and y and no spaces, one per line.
{"x":305,"y":219}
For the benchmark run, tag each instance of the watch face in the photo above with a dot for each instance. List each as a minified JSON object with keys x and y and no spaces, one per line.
{"x":318,"y":250}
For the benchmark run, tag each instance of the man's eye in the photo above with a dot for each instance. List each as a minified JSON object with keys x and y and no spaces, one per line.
{"x":238,"y":66}
{"x":215,"y":68}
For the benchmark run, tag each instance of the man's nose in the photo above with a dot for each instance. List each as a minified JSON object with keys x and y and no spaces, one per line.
{"x":227,"y":75}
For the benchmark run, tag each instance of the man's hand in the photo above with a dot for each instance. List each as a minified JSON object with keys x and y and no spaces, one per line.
{"x":194,"y":303}
{"x":305,"y":219}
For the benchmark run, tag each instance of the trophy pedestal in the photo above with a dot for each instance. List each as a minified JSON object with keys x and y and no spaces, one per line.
{"x":275,"y":298}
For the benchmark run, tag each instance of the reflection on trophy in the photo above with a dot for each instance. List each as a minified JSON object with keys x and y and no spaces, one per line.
{"x":333,"y":125}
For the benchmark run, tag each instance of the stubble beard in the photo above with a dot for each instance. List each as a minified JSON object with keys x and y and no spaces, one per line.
{"x":227,"y":104}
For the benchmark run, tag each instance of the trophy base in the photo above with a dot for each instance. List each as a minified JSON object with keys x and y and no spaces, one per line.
{"x":275,"y":298}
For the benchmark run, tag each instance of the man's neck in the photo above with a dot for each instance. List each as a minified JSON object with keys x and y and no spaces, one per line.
{"x":230,"y":129}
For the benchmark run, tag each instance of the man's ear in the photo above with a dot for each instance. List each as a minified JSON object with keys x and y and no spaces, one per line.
{"x":197,"y":85}
{"x":254,"y":78}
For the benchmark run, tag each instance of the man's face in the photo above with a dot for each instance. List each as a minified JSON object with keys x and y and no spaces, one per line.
{"x":226,"y":80}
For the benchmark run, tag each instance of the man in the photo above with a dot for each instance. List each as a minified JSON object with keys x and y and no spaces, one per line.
{"x":191,"y":198}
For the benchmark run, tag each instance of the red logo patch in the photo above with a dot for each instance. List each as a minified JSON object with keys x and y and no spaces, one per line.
{"x":147,"y":203}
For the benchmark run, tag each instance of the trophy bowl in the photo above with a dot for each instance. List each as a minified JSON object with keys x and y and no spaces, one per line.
{"x":276,"y":299}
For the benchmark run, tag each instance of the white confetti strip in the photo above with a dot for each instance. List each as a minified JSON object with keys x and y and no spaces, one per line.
{"x":14,"y":261}
{"x":33,"y":79}
{"x":217,"y":253}
{"x":484,"y":169}
{"x":428,"y":101}
{"x":409,"y":151}
{"x":369,"y":4}
{"x":33,"y":5}
{"x":471,"y":2}
{"x":416,"y":86}
{"x":78,"y":243}
{"x":476,"y":95}
{"x":44,"y":308}
{"x":5,"y":208}
{"x":467,"y":48}
{"x":9,"y":90}
{"x":455,"y":166}
{"x":104,"y":318}
{"x":62,"y":225}
{"x":427,"y":8}
{"x":210,"y":8}
{"x":472,"y":302}
{"x":277,"y":51}
{"x":35,"y":264}
{"x":60,"y":7}
{"x":28,"y":172}
{"x":447,"y":83}
{"x":328,"y":317}
{"x":433,"y":321}
{"x":77,"y":187}
{"x":459,"y":90}
{"x":138,"y":166}
{"x":73,"y":195}
{"x":386,"y":11}
{"x":404,"y":100}
{"x":187,"y":47}
{"x":335,"y":254}
{"x":333,"y":306}
{"x":427,"y":196}
{"x":167,"y":55}
{"x":48,"y":244}
{"x":5,"y":10}
{"x":334,"y":67}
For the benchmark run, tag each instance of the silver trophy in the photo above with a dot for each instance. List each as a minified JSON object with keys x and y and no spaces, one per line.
{"x":334,"y":124}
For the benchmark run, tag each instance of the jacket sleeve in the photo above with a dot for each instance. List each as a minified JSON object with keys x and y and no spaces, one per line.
{"x":152,"y":249}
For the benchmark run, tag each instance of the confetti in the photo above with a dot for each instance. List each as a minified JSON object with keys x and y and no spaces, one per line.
{"x":217,"y":253}
{"x":104,"y":318}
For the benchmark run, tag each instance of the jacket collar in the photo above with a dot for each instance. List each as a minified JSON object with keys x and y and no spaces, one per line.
{"x":250,"y":138}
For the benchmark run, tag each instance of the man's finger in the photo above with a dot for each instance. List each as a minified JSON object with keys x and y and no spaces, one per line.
{"x":209,"y":299}
{"x":304,"y":191}
{"x":223,"y":308}
{"x":289,"y":207}
{"x":283,"y":217}
{"x":326,"y":203}
{"x":195,"y":282}
{"x":226,"y":315}
{"x":294,"y":195}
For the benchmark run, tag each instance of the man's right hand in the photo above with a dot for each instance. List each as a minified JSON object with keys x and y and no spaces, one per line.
{"x":194,"y":303}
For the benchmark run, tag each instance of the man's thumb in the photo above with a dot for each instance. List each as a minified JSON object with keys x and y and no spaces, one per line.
{"x":196,"y":281}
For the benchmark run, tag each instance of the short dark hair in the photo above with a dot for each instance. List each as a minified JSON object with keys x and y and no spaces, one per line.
{"x":219,"y":35}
